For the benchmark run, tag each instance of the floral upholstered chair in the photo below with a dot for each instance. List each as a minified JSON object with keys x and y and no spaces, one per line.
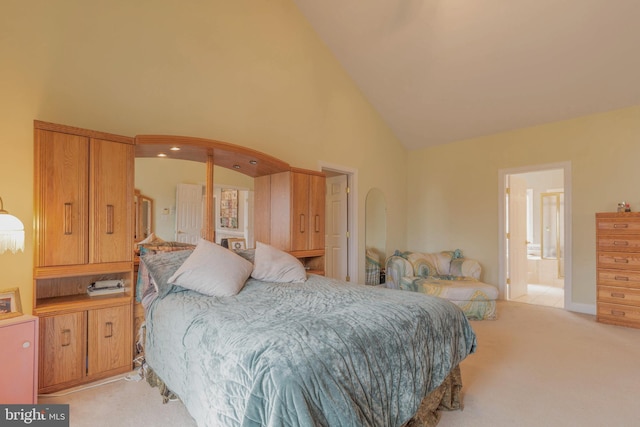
{"x":447,"y":275}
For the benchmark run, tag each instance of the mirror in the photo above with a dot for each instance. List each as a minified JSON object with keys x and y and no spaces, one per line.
{"x":375,"y":236}
{"x":143,"y":224}
{"x":234,"y":212}
{"x":158,"y":179}
{"x":218,"y":159}
{"x":552,"y":232}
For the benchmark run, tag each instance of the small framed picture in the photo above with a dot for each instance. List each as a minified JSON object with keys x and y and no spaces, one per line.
{"x":10,"y":305}
{"x":237,"y":244}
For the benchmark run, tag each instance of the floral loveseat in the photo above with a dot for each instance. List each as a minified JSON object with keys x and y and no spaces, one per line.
{"x":445,"y":274}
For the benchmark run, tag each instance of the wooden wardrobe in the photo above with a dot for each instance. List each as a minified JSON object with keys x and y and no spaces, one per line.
{"x":83,"y":233}
{"x":292,"y":206}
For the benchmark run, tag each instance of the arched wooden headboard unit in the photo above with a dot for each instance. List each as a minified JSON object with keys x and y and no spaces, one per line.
{"x":241,"y":159}
{"x":244,"y":160}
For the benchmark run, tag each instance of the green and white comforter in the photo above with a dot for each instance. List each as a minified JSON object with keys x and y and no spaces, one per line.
{"x":320,"y":353}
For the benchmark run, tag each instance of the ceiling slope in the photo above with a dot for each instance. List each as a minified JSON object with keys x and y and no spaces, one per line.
{"x":439,"y":71}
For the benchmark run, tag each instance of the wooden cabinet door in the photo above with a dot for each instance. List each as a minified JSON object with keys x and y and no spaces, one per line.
{"x":109,"y":335}
{"x":300,"y":211}
{"x":280,"y":211}
{"x":317,"y":189}
{"x":289,"y":210}
{"x":111,"y":223}
{"x":61,"y":174}
{"x":62,"y":349}
{"x":262,"y":209}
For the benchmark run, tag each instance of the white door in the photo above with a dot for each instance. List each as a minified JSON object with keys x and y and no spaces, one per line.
{"x":336,"y":250}
{"x":189,"y":209}
{"x":517,"y":236}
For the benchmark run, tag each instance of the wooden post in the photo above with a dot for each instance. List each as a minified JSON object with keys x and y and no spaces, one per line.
{"x":209,"y":229}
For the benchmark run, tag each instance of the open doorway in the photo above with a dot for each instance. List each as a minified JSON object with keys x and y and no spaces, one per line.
{"x":535,"y":235}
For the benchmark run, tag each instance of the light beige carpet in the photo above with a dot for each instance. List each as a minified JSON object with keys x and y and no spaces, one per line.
{"x":543,"y":366}
{"x":535,"y":366}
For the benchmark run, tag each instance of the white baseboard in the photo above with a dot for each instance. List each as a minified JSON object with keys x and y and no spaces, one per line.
{"x":582,"y":308}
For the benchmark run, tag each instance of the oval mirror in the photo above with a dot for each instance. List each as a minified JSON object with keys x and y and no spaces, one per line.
{"x":375,"y":236}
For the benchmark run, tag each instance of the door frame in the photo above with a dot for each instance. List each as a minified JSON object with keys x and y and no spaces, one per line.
{"x":502,"y":264}
{"x":352,"y":215}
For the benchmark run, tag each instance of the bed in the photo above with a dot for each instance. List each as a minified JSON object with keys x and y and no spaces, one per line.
{"x":290,"y":353}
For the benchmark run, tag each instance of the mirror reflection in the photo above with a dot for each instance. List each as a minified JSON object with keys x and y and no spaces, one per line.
{"x":143,"y":224}
{"x":375,"y":236}
{"x":552,"y":232}
{"x":177,"y":187}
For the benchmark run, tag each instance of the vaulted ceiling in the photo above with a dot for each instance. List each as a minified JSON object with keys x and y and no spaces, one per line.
{"x":439,"y":71}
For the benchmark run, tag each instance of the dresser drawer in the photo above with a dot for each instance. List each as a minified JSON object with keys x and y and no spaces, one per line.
{"x":619,"y":243}
{"x":623,"y":315}
{"x":623,"y":296}
{"x":623,"y":224}
{"x":619,"y":260}
{"x":619,"y":278}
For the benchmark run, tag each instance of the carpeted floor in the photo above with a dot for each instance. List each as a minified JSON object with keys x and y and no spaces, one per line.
{"x":543,"y":366}
{"x":535,"y":366}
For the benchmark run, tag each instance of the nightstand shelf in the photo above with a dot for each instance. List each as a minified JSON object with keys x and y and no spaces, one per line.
{"x":79,"y":302}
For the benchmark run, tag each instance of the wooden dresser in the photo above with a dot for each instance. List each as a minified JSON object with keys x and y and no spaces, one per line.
{"x":618,"y":268}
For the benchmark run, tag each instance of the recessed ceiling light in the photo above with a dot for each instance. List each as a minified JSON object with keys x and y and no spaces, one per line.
{"x":174,"y":148}
{"x":162,"y":155}
{"x":253,"y":162}
{"x":236,"y":166}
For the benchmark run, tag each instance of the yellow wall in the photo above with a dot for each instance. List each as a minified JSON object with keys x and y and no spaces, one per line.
{"x":246,"y":72}
{"x":255,"y":74}
{"x":453,"y":188}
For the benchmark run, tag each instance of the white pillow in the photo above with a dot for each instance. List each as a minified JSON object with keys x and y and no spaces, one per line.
{"x":274,"y":265}
{"x":212,"y":270}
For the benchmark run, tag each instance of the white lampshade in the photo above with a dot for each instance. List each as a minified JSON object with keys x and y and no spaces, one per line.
{"x":11,"y":232}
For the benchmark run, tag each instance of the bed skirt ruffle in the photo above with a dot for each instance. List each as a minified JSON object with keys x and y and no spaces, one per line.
{"x":446,"y":397}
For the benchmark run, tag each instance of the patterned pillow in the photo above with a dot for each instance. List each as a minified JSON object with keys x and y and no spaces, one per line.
{"x":424,"y":265}
{"x":161,"y":266}
{"x":248,"y":254}
{"x":430,"y":264}
{"x":456,"y":266}
{"x":166,"y":247}
{"x":143,"y":281}
{"x":455,"y":254}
